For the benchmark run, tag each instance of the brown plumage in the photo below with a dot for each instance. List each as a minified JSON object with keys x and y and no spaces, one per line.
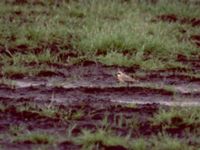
{"x":124,"y":78}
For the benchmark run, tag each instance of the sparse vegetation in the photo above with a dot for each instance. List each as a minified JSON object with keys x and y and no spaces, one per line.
{"x":101,"y":138}
{"x":123,"y":33}
{"x":171,"y":117}
{"x":35,"y":138}
{"x":166,"y":142}
{"x":153,"y":40}
{"x":123,"y":129}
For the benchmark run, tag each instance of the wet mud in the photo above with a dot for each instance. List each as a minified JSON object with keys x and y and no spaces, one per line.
{"x":81,"y":96}
{"x":64,"y":102}
{"x":30,"y":116}
{"x":174,"y":18}
{"x":94,"y":81}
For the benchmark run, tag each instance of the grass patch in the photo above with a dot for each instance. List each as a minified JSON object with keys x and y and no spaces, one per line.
{"x":126,"y":129}
{"x":185,"y":9}
{"x":23,"y":70}
{"x":91,"y":140}
{"x":100,"y":138}
{"x":35,"y":138}
{"x":115,"y":58}
{"x":12,"y":70}
{"x":187,"y":116}
{"x":122,"y":31}
{"x":74,"y":115}
{"x":8,"y":82}
{"x":165,"y":142}
{"x":44,"y":111}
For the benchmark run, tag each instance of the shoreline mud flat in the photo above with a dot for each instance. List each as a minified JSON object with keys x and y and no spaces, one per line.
{"x":53,"y":111}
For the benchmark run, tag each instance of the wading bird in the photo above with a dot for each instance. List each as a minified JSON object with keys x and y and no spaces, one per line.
{"x":124,"y":78}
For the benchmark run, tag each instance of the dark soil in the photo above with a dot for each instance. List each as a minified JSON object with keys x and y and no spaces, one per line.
{"x":136,"y":120}
{"x":174,"y":18}
{"x":83,"y":95}
{"x":196,"y":39}
{"x":64,"y":101}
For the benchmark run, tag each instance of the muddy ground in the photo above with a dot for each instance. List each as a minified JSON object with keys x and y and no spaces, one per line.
{"x":94,"y":81}
{"x":80,"y":96}
{"x":60,"y":104}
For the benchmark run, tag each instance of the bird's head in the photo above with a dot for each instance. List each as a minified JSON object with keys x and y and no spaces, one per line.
{"x":119,"y":72}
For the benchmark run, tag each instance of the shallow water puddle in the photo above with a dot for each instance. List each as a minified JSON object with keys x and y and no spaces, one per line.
{"x":190,"y":88}
{"x":26,"y":84}
{"x":62,"y":91}
{"x":166,"y":103}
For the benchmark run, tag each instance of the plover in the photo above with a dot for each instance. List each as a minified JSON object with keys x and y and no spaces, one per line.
{"x":124,"y":78}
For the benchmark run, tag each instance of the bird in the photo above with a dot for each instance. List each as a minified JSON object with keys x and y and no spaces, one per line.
{"x":124,"y":78}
